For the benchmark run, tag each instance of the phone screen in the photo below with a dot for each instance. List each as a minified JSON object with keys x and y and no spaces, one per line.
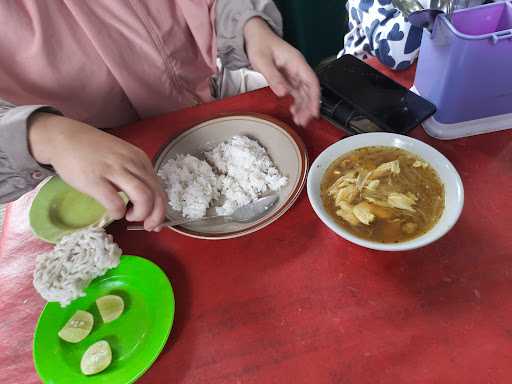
{"x":375,"y":95}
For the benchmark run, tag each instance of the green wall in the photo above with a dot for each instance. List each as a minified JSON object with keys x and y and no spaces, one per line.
{"x":315,"y":27}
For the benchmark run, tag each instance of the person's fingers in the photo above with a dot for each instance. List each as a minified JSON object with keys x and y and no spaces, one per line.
{"x":312,"y":87}
{"x":141,"y":168}
{"x":140,"y":195}
{"x":306,"y":89}
{"x":311,"y":104}
{"x":157,"y":215}
{"x":305,"y":106}
{"x":297,"y":102}
{"x":311,"y":94}
{"x":299,"y":108}
{"x":107,"y":195}
{"x":295,"y":77}
{"x":276,"y":81}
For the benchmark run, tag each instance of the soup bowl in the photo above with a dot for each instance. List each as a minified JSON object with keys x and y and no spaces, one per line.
{"x":453,"y":188}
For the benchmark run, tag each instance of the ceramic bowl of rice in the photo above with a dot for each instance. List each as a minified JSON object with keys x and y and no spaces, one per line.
{"x":222,"y":164}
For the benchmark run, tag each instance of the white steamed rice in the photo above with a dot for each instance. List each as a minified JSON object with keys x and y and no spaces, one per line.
{"x":63,"y":274}
{"x":244,"y":173}
{"x":190,"y":184}
{"x":248,"y":172}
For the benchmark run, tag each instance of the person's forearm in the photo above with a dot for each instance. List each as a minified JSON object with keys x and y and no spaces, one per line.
{"x":43,"y":129}
{"x":19,"y":171}
{"x":257,"y":29}
{"x":230,"y":21}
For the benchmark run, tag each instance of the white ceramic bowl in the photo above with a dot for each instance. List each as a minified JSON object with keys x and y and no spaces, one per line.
{"x":454,"y":190}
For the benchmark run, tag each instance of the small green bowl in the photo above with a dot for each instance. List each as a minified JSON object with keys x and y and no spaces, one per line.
{"x":137,"y":337}
{"x":58,"y":210}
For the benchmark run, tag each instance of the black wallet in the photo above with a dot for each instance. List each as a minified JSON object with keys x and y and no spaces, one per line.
{"x":343,"y":116}
{"x":359,"y":99}
{"x":339,"y":113}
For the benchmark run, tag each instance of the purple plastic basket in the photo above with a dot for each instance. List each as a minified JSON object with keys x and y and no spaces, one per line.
{"x":465,"y":67}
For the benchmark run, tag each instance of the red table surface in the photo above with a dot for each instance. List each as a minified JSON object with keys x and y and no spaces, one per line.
{"x":294,"y":303}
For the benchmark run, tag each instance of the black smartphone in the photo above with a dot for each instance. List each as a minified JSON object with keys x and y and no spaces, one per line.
{"x":389,"y":105}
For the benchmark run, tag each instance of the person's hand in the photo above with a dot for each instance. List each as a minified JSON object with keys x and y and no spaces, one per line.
{"x":99,"y":165}
{"x":284,"y":68}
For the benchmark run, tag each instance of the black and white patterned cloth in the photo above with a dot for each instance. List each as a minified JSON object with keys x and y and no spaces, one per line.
{"x":379,"y":29}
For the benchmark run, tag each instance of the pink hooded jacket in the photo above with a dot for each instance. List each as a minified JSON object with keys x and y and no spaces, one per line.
{"x":121,"y":61}
{"x":109,"y":63}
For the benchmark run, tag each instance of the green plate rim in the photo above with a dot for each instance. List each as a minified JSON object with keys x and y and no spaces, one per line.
{"x":138,"y":259}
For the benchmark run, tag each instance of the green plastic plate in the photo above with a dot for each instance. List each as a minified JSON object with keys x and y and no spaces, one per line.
{"x":136,"y":338}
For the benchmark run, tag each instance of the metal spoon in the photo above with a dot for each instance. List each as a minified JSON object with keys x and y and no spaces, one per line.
{"x":450,"y":9}
{"x":423,"y":17}
{"x":408,"y":7}
{"x":246,"y":214}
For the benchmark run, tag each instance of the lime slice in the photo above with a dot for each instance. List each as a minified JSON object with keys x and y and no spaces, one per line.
{"x":97,"y":358}
{"x":77,"y":328}
{"x":110,"y":307}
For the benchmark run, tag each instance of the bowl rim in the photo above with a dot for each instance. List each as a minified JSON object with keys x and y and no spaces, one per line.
{"x":443,"y":226}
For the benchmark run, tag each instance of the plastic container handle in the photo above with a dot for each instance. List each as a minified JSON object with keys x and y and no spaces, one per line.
{"x":501,"y":36}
